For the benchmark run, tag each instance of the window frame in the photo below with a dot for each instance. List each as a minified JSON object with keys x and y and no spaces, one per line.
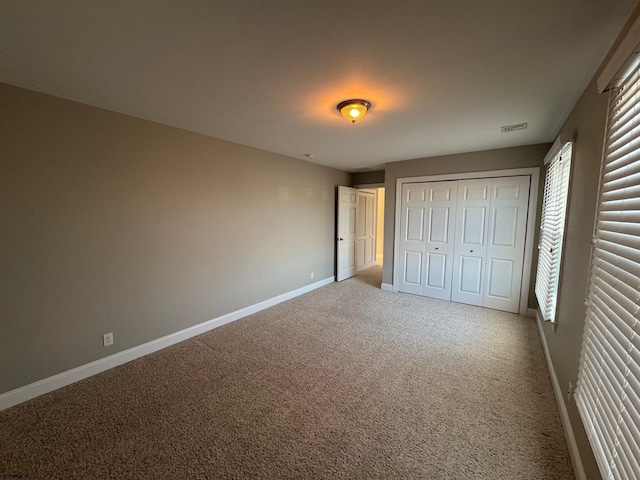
{"x":553,"y":226}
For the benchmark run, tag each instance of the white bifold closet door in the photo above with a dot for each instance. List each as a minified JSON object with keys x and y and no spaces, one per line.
{"x":464,"y":240}
{"x":426,"y":238}
{"x":489,"y":242}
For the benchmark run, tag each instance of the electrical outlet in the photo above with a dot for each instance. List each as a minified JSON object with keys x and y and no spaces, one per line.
{"x":313,"y":275}
{"x":107,"y":339}
{"x":569,"y":392}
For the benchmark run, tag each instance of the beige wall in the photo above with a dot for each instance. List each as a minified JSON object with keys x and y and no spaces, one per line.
{"x":369,"y":178}
{"x":502,"y":159}
{"x":587,"y":121}
{"x":116,"y":224}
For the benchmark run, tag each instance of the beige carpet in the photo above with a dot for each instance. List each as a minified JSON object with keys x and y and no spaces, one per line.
{"x":347,"y":381}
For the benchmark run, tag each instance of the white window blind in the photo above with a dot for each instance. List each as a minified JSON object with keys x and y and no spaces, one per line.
{"x":554,"y":206}
{"x":608,"y":393}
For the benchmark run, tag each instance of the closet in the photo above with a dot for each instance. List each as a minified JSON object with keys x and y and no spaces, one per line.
{"x":463,"y":240}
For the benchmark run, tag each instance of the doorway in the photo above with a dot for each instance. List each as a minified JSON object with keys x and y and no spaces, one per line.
{"x":360,"y":226}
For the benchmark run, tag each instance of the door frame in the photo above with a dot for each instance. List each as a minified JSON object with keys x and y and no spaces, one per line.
{"x":530,"y":238}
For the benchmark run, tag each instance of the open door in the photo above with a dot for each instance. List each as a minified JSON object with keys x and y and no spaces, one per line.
{"x":347,"y":236}
{"x":366,"y":230}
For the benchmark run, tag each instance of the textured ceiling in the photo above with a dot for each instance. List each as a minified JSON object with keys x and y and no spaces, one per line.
{"x":442,"y":77}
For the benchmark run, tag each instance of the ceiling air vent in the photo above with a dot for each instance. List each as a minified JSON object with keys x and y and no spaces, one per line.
{"x":513,"y":128}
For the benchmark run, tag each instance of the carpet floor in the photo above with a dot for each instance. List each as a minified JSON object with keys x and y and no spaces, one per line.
{"x":345,"y":382}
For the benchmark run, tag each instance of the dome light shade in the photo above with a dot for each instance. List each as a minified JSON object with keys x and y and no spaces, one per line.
{"x":353,"y":109}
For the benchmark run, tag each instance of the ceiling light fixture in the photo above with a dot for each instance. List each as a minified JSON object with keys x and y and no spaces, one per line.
{"x":353,"y":109}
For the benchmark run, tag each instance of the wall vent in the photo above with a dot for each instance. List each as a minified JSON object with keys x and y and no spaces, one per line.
{"x":513,"y":128}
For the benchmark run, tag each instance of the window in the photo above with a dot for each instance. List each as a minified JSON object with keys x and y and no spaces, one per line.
{"x":608,"y":394}
{"x":554,"y":206}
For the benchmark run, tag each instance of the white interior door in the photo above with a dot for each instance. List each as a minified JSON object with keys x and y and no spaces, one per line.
{"x":346,"y":239}
{"x":505,"y":242}
{"x":370,"y":231}
{"x":439,"y":248}
{"x":365,"y":247}
{"x":426,"y":242}
{"x":412,"y":238}
{"x":471,"y":241}
{"x":490,"y":237}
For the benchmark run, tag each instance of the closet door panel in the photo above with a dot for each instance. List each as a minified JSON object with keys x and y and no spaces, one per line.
{"x":506,"y":239}
{"x":415,"y":224}
{"x":413,"y":269}
{"x":439,"y":246}
{"x":436,"y":271}
{"x":471,"y":276}
{"x":470,"y":241}
{"x":500,"y":278}
{"x":412,"y":238}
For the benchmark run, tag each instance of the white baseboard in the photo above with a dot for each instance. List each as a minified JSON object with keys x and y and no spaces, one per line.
{"x":387,"y":287}
{"x":33,"y":390}
{"x":574,"y":453}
